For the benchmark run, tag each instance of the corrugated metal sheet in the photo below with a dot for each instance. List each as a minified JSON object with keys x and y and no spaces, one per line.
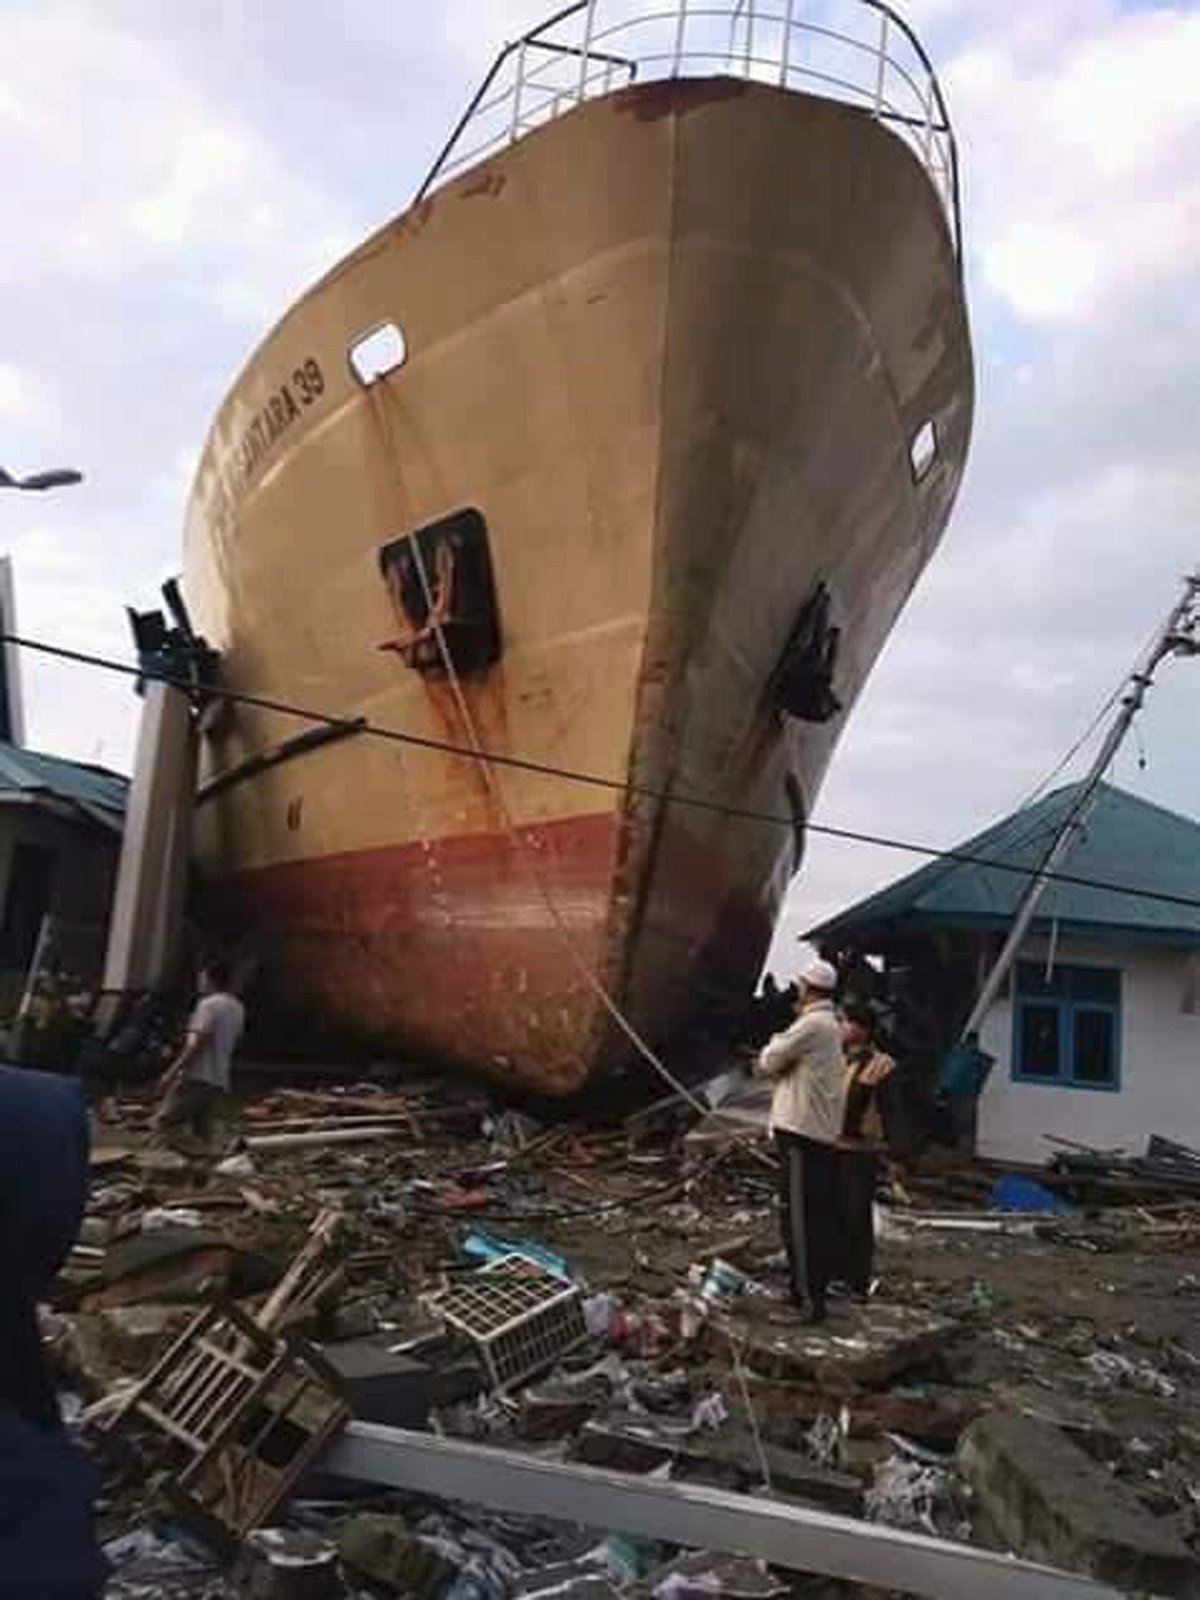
{"x":96,"y":792}
{"x":1127,"y":841}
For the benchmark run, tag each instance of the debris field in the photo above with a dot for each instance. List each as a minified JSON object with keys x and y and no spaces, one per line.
{"x":413,"y":1253}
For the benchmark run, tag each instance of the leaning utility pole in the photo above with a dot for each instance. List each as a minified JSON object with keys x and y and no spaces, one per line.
{"x":1179,"y":636}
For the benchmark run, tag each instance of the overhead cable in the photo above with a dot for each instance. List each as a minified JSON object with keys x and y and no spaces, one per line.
{"x":695,"y":802}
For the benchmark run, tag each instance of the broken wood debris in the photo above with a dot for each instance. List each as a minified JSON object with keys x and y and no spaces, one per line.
{"x":239,"y":1414}
{"x":881,"y":1395}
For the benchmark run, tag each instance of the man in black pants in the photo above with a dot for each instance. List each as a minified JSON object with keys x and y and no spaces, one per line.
{"x":807,"y":1112}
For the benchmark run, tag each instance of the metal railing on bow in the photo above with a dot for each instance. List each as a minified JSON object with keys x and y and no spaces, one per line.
{"x":859,"y":52}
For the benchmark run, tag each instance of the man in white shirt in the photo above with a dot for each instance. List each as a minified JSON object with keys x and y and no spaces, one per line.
{"x":807,"y":1112}
{"x":198,"y":1081}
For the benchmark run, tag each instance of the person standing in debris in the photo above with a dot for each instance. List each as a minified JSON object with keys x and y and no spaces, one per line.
{"x":807,"y":1112}
{"x":48,"y":1547}
{"x":870,"y":1086}
{"x":197,"y":1084}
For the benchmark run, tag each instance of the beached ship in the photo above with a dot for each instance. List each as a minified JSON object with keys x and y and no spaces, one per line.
{"x":616,"y":455}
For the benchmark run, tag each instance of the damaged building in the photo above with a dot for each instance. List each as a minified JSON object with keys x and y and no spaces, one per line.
{"x":60,"y":837}
{"x":1096,"y":1036}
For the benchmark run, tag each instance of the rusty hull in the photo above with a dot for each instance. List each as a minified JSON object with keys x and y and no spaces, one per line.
{"x":675,"y":348}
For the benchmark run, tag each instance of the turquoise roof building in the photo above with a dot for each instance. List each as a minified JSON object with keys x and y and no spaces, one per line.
{"x":1132,"y":847}
{"x":91,"y":792}
{"x":60,"y":839}
{"x":1096,"y":1038}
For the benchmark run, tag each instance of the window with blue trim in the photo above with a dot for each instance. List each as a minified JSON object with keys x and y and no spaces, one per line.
{"x":1067,"y":1026}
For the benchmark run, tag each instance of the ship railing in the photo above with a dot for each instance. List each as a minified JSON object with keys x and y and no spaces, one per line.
{"x":859,"y":52}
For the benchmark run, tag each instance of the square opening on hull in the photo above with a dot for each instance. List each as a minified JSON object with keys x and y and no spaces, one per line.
{"x":439,"y":580}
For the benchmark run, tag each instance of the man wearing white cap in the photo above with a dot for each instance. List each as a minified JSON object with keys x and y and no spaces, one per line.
{"x":807,"y":1112}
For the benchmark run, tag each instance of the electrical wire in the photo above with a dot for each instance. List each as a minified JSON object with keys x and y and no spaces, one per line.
{"x":1119,"y":689}
{"x":1040,"y":827}
{"x":1083,"y":738}
{"x":593,"y":780}
{"x":1074,"y":811}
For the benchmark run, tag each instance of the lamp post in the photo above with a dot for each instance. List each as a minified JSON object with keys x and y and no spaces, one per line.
{"x":54,"y":478}
{"x":12,"y":709}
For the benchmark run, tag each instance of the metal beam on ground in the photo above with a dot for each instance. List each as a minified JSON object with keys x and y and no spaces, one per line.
{"x":689,"y":1514}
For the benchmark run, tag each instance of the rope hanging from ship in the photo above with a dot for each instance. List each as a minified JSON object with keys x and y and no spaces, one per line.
{"x":382,"y":398}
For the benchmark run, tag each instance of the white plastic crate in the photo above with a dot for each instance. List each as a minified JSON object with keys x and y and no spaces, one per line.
{"x":519,"y":1317}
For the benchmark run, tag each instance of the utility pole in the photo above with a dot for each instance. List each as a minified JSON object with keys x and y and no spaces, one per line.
{"x":1179,"y":636}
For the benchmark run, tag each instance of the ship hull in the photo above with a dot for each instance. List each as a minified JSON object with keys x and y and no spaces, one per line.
{"x":673,"y":350}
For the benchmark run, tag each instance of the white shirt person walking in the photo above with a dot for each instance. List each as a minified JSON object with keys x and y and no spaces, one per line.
{"x":198,"y":1082}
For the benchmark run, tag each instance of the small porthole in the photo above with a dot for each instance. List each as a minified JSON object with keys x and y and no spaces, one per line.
{"x":923,"y":450}
{"x":377,"y":353}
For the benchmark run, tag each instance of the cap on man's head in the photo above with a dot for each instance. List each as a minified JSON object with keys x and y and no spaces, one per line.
{"x":820,"y":975}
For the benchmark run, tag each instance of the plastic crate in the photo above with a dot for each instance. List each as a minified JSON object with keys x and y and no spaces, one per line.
{"x":519,"y":1317}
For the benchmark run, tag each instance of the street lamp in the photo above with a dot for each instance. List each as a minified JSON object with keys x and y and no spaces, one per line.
{"x":55,"y":478}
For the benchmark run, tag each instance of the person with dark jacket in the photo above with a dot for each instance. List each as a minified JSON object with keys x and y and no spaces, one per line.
{"x":48,"y":1548}
{"x":869,"y":1110}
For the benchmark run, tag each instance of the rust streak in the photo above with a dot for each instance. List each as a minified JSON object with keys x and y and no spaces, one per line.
{"x":488,"y":183}
{"x":414,"y":220}
{"x":649,"y":102}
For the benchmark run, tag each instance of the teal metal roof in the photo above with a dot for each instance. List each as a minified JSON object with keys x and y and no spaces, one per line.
{"x":1126,"y":841}
{"x":25,"y":775}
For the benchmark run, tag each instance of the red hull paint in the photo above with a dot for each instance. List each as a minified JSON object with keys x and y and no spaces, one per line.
{"x":449,"y":948}
{"x":447,"y":945}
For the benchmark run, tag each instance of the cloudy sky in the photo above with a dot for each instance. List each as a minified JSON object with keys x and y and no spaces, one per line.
{"x":176,"y":172}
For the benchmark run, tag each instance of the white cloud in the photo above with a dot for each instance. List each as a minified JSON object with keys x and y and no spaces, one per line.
{"x":144,"y":192}
{"x":203,"y":164}
{"x":176,"y":174}
{"x":1082,"y":157}
{"x":477,"y":29}
{"x":21,"y":400}
{"x":127,"y":167}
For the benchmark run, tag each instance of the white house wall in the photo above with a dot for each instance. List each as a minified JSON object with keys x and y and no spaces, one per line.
{"x":1159,"y":1065}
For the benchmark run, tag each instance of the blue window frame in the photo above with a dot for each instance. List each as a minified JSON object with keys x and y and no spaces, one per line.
{"x":1067,"y":1026}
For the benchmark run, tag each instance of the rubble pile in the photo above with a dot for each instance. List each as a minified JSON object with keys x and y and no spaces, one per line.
{"x":616,"y":1296}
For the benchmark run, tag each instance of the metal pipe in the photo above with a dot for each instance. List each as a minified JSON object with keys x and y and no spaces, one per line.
{"x":460,"y":127}
{"x":515,"y":124}
{"x":930,"y":101}
{"x":881,"y":69}
{"x":680,"y":30}
{"x":779,"y":1532}
{"x":318,"y":1136}
{"x":785,"y":54}
{"x":589,"y":21}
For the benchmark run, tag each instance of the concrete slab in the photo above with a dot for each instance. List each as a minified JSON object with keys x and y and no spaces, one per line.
{"x":864,"y":1346}
{"x":1040,"y":1496}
